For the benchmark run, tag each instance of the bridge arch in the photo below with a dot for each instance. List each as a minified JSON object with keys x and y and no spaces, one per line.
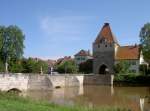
{"x":14,"y":90}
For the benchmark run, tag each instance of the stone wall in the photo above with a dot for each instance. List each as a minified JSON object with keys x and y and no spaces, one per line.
{"x":98,"y":79}
{"x":48,"y":82}
{"x":8,"y":82}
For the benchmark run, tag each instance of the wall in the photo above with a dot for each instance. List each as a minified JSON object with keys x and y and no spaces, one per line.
{"x":8,"y":82}
{"x":25,"y":82}
{"x":103,"y":55}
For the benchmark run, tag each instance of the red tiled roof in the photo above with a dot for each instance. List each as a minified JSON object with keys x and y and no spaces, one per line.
{"x":82,"y":53}
{"x":127,"y":52}
{"x":61,"y":60}
{"x":107,"y":34}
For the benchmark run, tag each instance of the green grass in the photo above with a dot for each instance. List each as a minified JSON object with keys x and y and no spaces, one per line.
{"x":12,"y":102}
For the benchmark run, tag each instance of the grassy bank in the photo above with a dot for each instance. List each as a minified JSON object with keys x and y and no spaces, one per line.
{"x":131,"y":80}
{"x":11,"y":102}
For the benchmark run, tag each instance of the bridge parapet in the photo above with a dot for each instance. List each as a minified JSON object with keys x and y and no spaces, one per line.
{"x":10,"y":81}
{"x":25,"y":82}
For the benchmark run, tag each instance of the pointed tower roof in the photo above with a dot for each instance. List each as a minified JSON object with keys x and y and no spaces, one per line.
{"x":107,"y":34}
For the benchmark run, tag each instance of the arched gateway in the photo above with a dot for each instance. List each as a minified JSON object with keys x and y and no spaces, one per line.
{"x":103,"y":69}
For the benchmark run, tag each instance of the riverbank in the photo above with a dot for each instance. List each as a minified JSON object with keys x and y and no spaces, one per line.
{"x":12,"y":102}
{"x":131,"y":80}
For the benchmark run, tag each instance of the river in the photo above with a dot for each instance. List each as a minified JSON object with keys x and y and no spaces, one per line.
{"x":135,"y":98}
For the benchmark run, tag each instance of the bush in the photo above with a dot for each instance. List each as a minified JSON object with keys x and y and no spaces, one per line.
{"x":144,"y":69}
{"x":132,"y":79}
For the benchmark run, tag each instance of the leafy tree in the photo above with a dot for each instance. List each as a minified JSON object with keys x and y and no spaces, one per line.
{"x":86,"y":67}
{"x":11,"y":43}
{"x":145,"y":41}
{"x":68,"y":66}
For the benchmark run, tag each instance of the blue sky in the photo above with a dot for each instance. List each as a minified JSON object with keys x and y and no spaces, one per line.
{"x":57,"y":28}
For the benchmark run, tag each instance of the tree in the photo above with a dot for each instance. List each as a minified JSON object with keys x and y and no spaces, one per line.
{"x":145,"y":41}
{"x":11,"y":43}
{"x":67,"y":66}
{"x":86,"y":67}
{"x":34,"y":66}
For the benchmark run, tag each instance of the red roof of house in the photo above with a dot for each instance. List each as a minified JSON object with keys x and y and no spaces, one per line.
{"x":107,"y":34}
{"x":83,"y":53}
{"x":61,"y":60}
{"x":127,"y":52}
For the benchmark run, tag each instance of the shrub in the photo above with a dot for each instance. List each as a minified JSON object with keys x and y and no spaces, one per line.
{"x":144,"y":69}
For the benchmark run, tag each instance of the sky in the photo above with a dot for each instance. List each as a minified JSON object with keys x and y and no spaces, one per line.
{"x":57,"y":28}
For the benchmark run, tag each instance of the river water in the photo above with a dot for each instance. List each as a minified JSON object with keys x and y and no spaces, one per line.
{"x":134,"y":98}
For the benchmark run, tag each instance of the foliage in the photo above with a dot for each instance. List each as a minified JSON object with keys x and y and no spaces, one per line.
{"x":2,"y":67}
{"x":131,"y":79}
{"x":122,"y":67}
{"x":12,"y":102}
{"x":144,"y":69}
{"x":34,"y":66}
{"x":15,"y":66}
{"x":145,"y":41}
{"x":86,"y":67}
{"x":67,"y":66}
{"x":11,"y":42}
{"x":25,"y":66}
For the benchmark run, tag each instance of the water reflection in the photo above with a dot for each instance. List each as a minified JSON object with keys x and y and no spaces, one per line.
{"x":135,"y":98}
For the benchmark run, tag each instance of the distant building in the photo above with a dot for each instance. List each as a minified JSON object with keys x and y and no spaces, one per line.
{"x":107,"y":52}
{"x":82,"y":56}
{"x":61,"y":60}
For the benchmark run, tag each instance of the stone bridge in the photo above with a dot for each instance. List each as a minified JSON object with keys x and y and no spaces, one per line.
{"x":23,"y":82}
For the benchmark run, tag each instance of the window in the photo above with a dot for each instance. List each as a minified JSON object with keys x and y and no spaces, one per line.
{"x":98,"y":46}
{"x":133,"y":62}
{"x":78,"y":58}
{"x":83,"y":58}
{"x":105,"y":45}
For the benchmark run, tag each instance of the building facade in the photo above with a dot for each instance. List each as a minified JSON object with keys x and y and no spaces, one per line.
{"x":107,"y":52}
{"x":82,"y":56}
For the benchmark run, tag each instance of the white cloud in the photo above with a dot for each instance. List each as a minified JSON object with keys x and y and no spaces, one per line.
{"x":64,"y":27}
